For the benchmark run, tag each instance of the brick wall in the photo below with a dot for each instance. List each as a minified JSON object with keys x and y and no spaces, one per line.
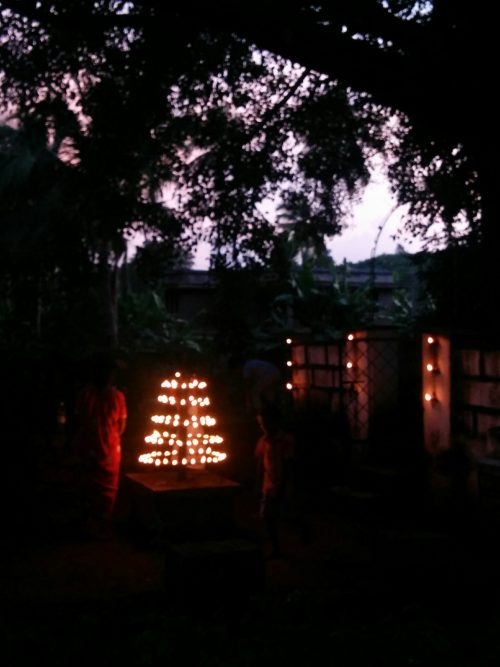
{"x":476,"y":395}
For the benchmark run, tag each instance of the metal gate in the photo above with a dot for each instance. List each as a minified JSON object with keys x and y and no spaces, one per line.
{"x":372,"y":377}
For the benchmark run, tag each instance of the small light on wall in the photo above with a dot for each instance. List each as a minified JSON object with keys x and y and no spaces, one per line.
{"x":350,"y":337}
{"x":430,"y":368}
{"x":288,"y":363}
{"x":349,"y":364}
{"x":430,"y":340}
{"x":430,"y":398}
{"x":288,"y":341}
{"x":289,"y":386}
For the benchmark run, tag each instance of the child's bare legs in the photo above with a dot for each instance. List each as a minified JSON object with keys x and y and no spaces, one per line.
{"x":269,"y":514}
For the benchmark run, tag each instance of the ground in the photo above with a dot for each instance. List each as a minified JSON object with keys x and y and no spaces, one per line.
{"x":362,"y":591}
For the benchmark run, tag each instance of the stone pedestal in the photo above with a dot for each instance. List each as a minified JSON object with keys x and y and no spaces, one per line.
{"x":196,"y":505}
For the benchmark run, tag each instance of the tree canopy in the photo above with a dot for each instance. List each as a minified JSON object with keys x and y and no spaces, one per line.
{"x":183,"y":75}
{"x":427,"y":61}
{"x":159,"y":99}
{"x":186,"y":118}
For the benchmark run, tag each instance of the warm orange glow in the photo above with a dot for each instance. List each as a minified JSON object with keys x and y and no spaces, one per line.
{"x":430,"y":340}
{"x":349,"y":364}
{"x":430,"y":368}
{"x":427,"y":396}
{"x":192,"y":427}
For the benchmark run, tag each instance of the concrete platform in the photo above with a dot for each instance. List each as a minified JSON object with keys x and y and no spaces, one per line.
{"x":167,"y":505}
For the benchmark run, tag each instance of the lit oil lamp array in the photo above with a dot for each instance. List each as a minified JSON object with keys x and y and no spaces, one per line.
{"x":289,"y":363}
{"x":351,"y":353}
{"x":183,"y":436}
{"x":432,"y":369}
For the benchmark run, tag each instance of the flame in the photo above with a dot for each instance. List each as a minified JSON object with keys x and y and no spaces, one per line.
{"x":190,"y":430}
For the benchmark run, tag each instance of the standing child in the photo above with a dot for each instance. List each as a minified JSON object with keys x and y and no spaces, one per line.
{"x":275,"y":454}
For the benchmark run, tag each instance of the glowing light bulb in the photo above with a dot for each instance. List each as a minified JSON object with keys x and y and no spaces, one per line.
{"x":349,"y":364}
{"x":177,"y":375}
{"x":289,"y":386}
{"x":193,"y":461}
{"x":288,"y":363}
{"x":430,"y":367}
{"x":184,"y":462}
{"x":430,"y":340}
{"x":288,"y":341}
{"x":427,"y":396}
{"x":350,"y":337}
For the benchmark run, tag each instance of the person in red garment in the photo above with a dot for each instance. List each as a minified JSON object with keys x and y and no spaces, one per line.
{"x":102,"y":416}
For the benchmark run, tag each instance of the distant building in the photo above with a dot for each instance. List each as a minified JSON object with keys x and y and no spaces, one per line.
{"x":189,"y":291}
{"x":381,"y":282}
